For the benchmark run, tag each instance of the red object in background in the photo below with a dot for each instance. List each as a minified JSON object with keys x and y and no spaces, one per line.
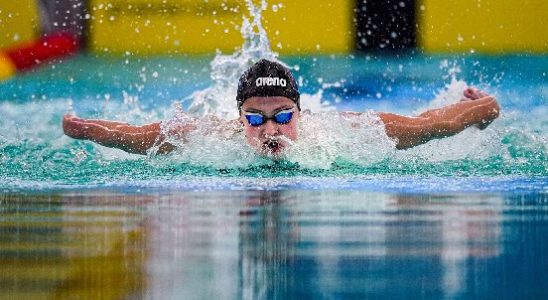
{"x":46,"y":48}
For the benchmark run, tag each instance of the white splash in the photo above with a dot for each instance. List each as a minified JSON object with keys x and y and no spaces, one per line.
{"x":323,"y":138}
{"x":452,"y":93}
{"x":214,"y":142}
{"x":219,"y":98}
{"x":327,"y":136}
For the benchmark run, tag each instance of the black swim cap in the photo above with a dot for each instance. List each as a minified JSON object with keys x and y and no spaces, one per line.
{"x":267,"y":79}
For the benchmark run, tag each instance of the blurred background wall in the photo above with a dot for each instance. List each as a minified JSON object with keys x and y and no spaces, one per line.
{"x":18,"y":22}
{"x":146,"y":27}
{"x":483,"y":25}
{"x":186,"y":26}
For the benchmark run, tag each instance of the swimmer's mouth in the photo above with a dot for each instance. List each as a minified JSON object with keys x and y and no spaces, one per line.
{"x":272,"y":146}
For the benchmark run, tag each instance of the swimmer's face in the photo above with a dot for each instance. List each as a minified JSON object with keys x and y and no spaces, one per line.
{"x":270,"y":138}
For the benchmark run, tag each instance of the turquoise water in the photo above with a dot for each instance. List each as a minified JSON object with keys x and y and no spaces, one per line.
{"x":34,"y":154}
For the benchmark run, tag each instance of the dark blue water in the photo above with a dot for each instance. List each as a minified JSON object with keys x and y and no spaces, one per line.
{"x":325,"y":244}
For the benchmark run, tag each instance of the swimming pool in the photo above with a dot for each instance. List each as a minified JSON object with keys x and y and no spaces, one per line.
{"x":458,"y":218}
{"x":455,"y":218}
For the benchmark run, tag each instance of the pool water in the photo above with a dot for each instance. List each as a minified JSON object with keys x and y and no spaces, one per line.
{"x":345,"y":215}
{"x":464,"y":217}
{"x":273,"y":244}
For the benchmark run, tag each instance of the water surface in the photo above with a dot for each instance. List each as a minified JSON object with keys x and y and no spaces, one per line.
{"x":273,"y":244}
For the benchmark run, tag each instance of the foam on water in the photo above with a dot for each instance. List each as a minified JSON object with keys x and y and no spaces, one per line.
{"x":215,"y":142}
{"x":355,"y":139}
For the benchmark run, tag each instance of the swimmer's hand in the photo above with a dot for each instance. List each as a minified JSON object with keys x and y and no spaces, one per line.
{"x":477,"y":109}
{"x":475,"y":94}
{"x":132,"y":139}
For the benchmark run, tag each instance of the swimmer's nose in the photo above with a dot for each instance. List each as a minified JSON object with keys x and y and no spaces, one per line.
{"x":270,"y":128}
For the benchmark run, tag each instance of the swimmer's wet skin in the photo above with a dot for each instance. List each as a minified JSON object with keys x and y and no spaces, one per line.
{"x":269,"y":104}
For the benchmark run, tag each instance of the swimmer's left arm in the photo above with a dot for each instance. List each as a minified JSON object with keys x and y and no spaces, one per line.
{"x":478,"y":110}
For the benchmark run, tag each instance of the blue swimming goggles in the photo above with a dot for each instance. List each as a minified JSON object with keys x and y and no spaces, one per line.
{"x":257,"y":119}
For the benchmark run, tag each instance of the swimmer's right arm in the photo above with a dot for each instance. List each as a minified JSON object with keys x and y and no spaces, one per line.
{"x":130,"y":138}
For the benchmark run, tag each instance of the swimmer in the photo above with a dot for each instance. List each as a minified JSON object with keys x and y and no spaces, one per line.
{"x":268,"y":101}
